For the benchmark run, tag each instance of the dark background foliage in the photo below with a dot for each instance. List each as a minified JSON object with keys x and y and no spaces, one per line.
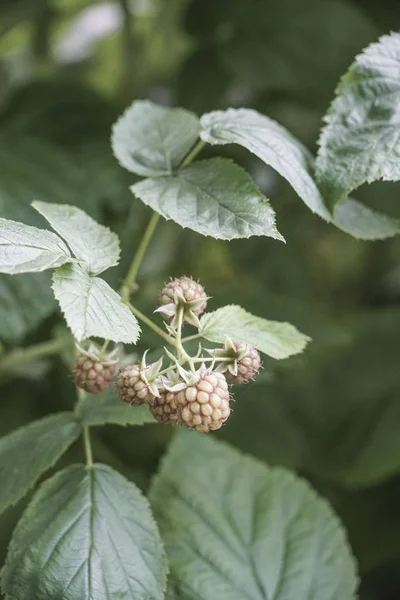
{"x":67,"y":70}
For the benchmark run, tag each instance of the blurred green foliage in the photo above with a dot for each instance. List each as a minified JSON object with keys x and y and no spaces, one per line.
{"x":67,"y":69}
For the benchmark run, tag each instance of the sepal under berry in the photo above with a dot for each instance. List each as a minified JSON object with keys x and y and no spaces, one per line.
{"x":92,"y":372}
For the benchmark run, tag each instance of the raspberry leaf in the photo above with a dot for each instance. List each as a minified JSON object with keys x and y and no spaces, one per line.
{"x":275,"y":338}
{"x":26,"y":249}
{"x":272,"y":143}
{"x":87,"y":533}
{"x":235,"y":528}
{"x":213,"y":197}
{"x":362,"y":222}
{"x":152,"y":140}
{"x":108,"y":408}
{"x":92,"y":308}
{"x":360,"y":142}
{"x":90,"y":242}
{"x":30,"y":451}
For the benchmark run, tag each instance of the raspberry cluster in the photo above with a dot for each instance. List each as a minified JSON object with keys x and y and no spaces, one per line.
{"x":197,"y":399}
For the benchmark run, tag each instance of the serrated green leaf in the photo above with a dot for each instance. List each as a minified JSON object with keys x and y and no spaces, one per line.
{"x":107,"y":408}
{"x":213,"y":197}
{"x":24,"y":301}
{"x":28,"y":249}
{"x":87,"y":534}
{"x":362,"y":222}
{"x":360,"y":142}
{"x":92,"y":308}
{"x":274,"y":338}
{"x":90,"y":242}
{"x":276,"y":147}
{"x":152,"y":140}
{"x":272,"y":143}
{"x":236,"y":529}
{"x":29,"y":451}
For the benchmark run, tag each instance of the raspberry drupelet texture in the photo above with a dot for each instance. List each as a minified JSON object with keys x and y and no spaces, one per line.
{"x":204,"y":406}
{"x":190,"y":290}
{"x":132,"y":386}
{"x":166,"y":408}
{"x":247,"y":365}
{"x":91,"y":374}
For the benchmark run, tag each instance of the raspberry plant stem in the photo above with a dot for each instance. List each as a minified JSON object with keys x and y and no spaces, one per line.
{"x":86,"y":434}
{"x":138,"y":257}
{"x":130,"y":279}
{"x":88,"y":446}
{"x":23,"y":355}
{"x":192,"y":154}
{"x":189,"y":338}
{"x":183,"y":356}
{"x":150,"y":324}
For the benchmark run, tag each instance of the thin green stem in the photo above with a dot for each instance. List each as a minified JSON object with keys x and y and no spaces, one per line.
{"x":192,"y":154}
{"x":138,"y":257}
{"x":189,"y":338}
{"x":150,"y":324}
{"x":197,"y":360}
{"x":183,"y":356}
{"x":23,"y":355}
{"x":178,"y":339}
{"x":88,"y":446}
{"x":86,"y":433}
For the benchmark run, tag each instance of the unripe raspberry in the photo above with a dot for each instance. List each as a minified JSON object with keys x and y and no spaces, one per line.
{"x":166,"y":408}
{"x":92,"y":374}
{"x":185,"y":295}
{"x":133,"y":387}
{"x":205,"y":404}
{"x":247,"y":365}
{"x":190,"y":290}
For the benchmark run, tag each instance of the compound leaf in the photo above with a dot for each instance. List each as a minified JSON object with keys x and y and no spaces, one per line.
{"x":272,"y":143}
{"x":213,"y":197}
